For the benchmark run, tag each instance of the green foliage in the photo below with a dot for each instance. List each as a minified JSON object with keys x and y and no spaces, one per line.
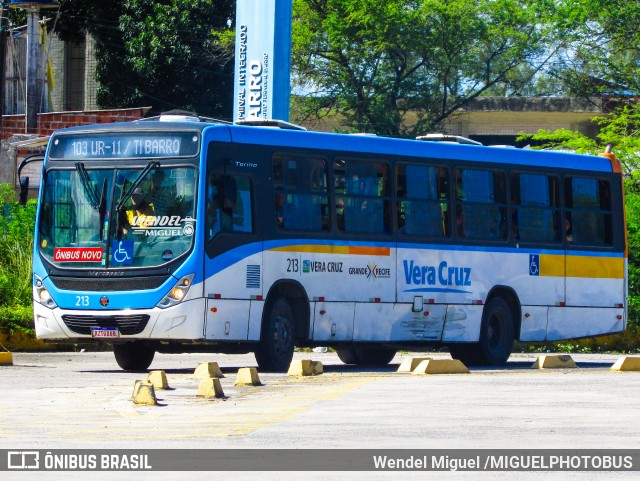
{"x":16,"y":246}
{"x":621,"y":129}
{"x":168,"y":54}
{"x":17,"y":318}
{"x":600,"y":51}
{"x":401,"y":67}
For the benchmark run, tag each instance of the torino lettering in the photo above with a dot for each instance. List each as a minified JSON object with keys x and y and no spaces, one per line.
{"x":442,"y":274}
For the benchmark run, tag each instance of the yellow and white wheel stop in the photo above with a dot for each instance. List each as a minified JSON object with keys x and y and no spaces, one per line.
{"x":247,"y":376}
{"x":206,"y":370}
{"x":628,"y":363}
{"x":210,"y":388}
{"x":554,"y":361}
{"x":410,"y":363}
{"x":143,"y":393}
{"x":158,"y":379}
{"x":441,"y":366}
{"x":305,"y":367}
{"x":6,"y":359}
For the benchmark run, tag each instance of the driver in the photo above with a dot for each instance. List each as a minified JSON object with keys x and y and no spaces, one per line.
{"x":140,"y":210}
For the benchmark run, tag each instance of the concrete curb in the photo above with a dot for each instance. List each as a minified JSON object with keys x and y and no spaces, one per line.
{"x":441,"y":366}
{"x":554,"y":361}
{"x":628,"y":363}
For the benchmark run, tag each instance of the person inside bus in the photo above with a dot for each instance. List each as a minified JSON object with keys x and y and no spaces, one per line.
{"x":567,"y":228}
{"x":221,"y":195}
{"x":140,"y":210}
{"x":280,"y":209}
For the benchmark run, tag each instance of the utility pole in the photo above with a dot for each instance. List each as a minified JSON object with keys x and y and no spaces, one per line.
{"x":4,"y":25}
{"x":33,"y":34}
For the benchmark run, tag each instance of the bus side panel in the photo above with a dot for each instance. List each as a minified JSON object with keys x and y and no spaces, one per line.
{"x":462,"y":323}
{"x":534,"y":323}
{"x":573,"y":322}
{"x":234,"y":277}
{"x":387,"y":322}
{"x":255,"y":320}
{"x":227,"y":320}
{"x":333,"y":321}
{"x":595,"y":281}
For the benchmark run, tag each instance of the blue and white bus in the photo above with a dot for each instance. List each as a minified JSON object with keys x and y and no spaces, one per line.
{"x":176,"y":236}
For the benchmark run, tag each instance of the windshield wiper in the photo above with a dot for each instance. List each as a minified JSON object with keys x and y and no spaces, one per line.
{"x":102,"y":208}
{"x":89,"y":189}
{"x":154,"y":164}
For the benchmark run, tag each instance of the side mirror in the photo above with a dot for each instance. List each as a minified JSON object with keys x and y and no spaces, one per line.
{"x":24,"y":190}
{"x":24,"y":181}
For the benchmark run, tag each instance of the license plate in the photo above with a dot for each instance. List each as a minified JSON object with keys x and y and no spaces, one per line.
{"x":105,"y":332}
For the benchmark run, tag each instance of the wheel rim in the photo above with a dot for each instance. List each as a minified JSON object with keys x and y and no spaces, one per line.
{"x":281,"y":335}
{"x":495,"y":333}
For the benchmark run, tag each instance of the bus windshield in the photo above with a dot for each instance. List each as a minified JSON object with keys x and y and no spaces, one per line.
{"x":81,"y":227}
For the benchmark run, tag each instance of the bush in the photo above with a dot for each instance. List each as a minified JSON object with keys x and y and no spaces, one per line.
{"x":16,"y":245}
{"x":17,"y":318}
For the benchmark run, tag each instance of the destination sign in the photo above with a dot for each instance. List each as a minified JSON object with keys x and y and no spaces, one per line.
{"x":126,"y":145}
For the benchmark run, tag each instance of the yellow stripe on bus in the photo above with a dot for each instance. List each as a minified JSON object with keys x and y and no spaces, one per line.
{"x":328,"y":249}
{"x":596,"y":267}
{"x":591,"y":267}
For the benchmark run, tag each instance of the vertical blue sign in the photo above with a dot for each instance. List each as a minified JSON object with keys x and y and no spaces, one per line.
{"x":263,"y":60}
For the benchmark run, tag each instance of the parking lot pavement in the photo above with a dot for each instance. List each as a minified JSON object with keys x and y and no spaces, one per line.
{"x":80,"y":400}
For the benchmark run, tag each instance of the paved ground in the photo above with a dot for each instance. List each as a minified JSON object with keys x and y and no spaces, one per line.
{"x":82,"y":400}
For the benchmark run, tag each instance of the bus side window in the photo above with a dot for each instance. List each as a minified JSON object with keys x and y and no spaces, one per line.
{"x":301,"y":198}
{"x":423,"y":207}
{"x":588,"y":206}
{"x":363,"y":186}
{"x":229,"y":204}
{"x":535,"y":207}
{"x":481,"y":194}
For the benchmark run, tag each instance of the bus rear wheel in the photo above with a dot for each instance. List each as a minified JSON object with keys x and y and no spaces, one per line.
{"x":496,"y":337}
{"x":363,"y":356}
{"x":134,"y":356}
{"x":275,"y":350}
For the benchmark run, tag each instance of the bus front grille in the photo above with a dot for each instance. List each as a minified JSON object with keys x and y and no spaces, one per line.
{"x":126,"y":324}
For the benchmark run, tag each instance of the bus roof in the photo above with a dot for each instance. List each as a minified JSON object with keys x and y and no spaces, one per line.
{"x":361,"y":144}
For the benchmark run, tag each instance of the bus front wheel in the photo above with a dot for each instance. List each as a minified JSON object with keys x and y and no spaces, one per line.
{"x":133,"y":356}
{"x":275,"y":350}
{"x":496,"y":337}
{"x":366,"y":356}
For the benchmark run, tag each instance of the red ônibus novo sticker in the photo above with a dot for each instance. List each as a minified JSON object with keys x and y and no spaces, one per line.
{"x":77,"y":254}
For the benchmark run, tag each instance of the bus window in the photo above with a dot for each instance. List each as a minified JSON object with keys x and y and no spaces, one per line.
{"x":301,"y":199}
{"x":481,"y":212}
{"x":229,"y":200}
{"x":588,"y":209}
{"x":423,"y":200}
{"x":535,"y":208}
{"x":362,"y":195}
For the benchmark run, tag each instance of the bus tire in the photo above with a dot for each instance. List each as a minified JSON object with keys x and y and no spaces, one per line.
{"x":496,"y":333}
{"x":347,"y":355}
{"x":496,"y":337}
{"x":134,"y":356}
{"x":364,"y":356}
{"x":275,"y":349}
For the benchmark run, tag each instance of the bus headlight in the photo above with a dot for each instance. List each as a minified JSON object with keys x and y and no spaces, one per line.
{"x":177,"y":293}
{"x":42,"y":294}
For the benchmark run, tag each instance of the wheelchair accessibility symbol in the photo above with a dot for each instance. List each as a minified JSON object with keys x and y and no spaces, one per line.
{"x":534,"y":265}
{"x":122,"y":252}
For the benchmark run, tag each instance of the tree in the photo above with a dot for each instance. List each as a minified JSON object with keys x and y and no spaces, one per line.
{"x":166,"y":54}
{"x":601,"y":51}
{"x":622,"y":129}
{"x":401,"y":67}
